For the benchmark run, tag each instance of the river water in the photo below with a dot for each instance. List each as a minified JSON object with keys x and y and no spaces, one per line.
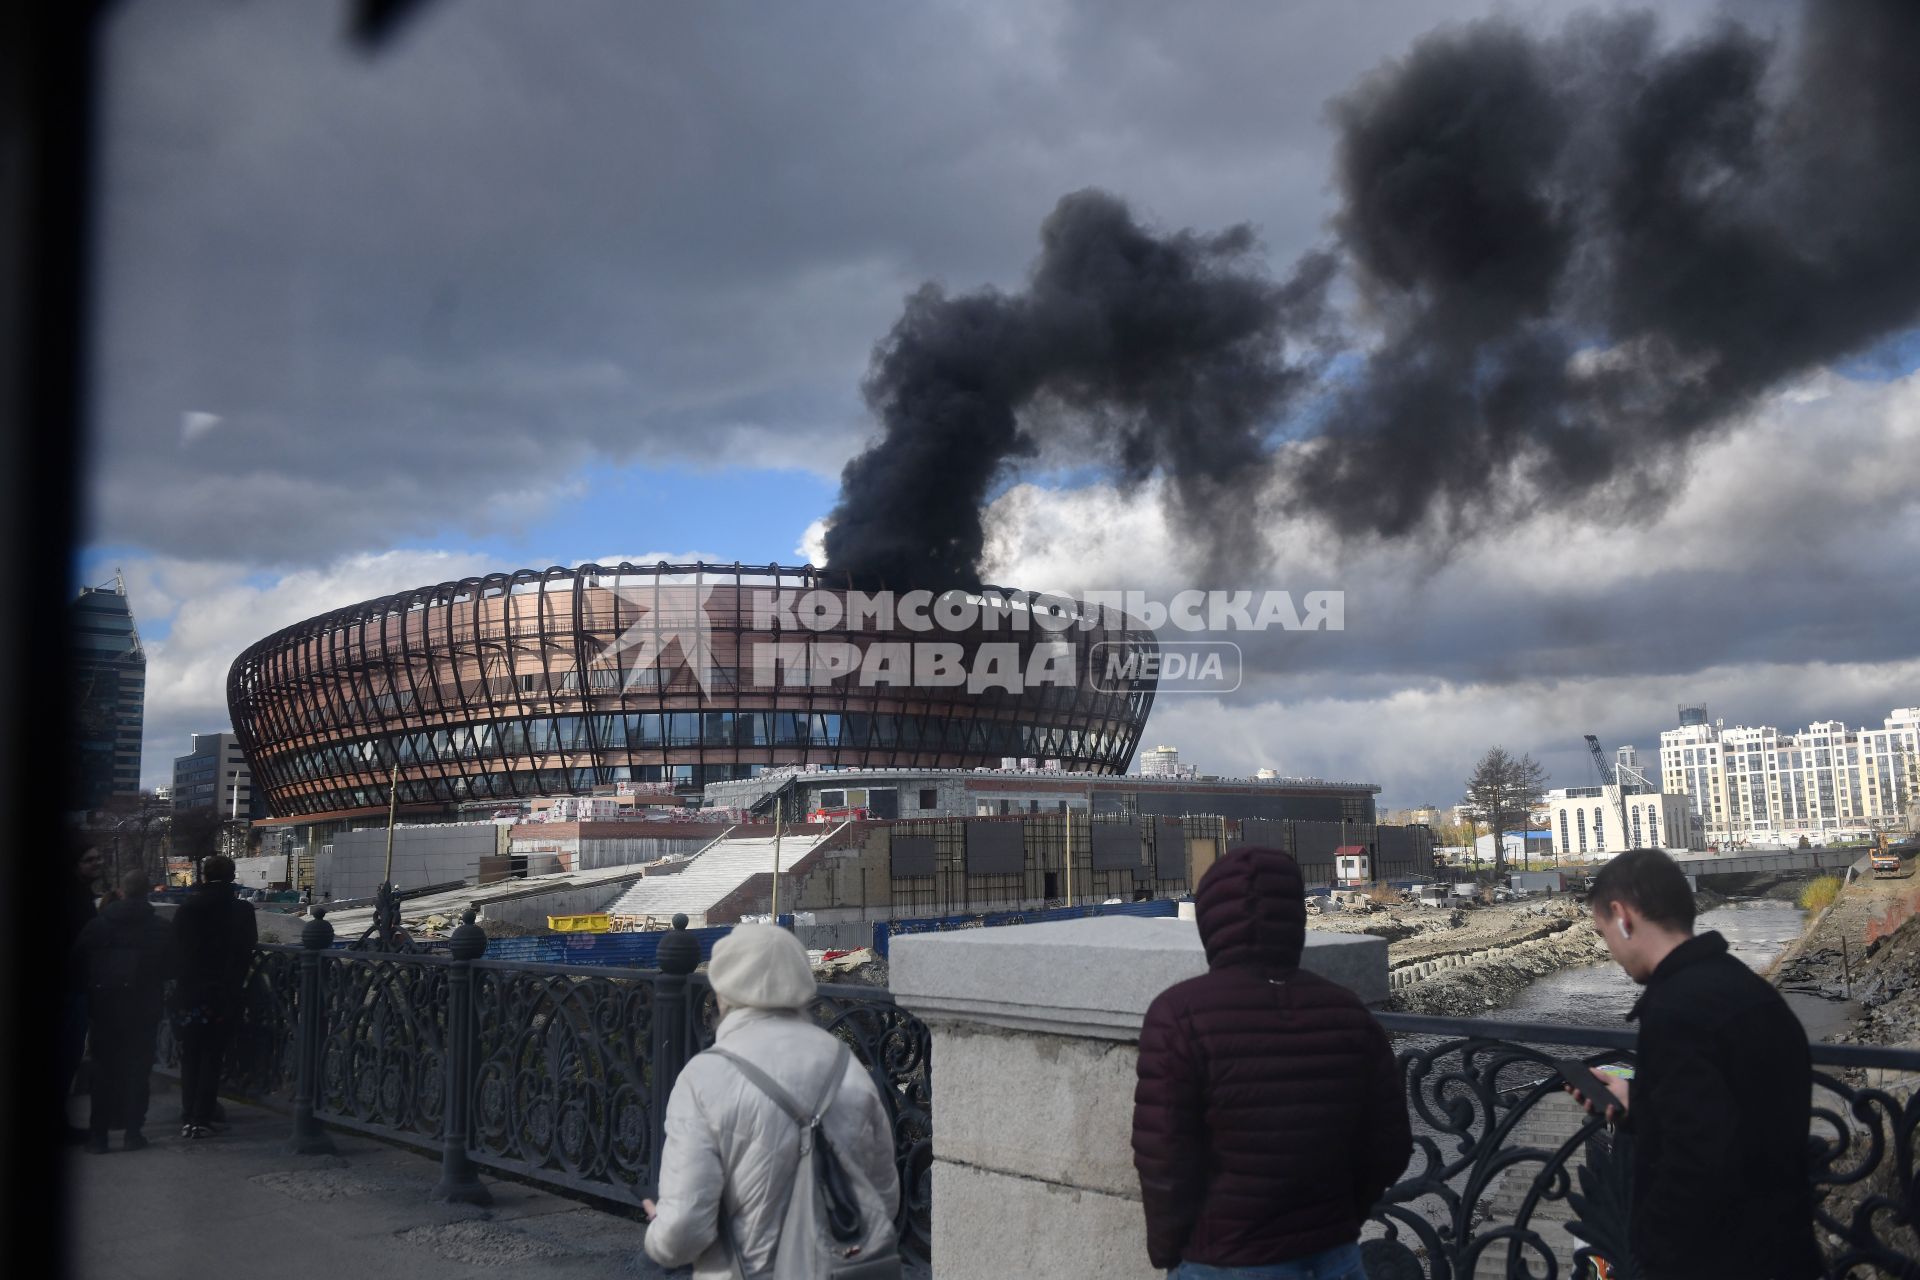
{"x":1599,"y":995}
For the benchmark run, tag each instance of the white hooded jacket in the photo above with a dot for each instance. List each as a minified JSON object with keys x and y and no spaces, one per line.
{"x":731,"y":1148}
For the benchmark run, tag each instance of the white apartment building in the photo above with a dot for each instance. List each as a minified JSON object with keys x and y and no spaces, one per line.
{"x":1586,"y":820}
{"x":1890,"y":764}
{"x":1164,"y":762}
{"x":1755,"y":783}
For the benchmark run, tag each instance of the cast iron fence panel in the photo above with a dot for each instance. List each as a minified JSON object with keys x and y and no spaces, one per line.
{"x":260,"y":1060}
{"x":382,"y":1057}
{"x":1864,"y":1170}
{"x":1475,"y":1083}
{"x":564,"y":1075}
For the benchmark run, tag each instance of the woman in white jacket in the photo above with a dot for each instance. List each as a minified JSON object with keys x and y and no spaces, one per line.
{"x":731,"y":1152}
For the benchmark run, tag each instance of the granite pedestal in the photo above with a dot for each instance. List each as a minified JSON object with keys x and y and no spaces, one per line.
{"x":1035,"y":1031}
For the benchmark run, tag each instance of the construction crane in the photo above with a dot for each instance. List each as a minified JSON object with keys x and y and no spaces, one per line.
{"x":1619,"y":781}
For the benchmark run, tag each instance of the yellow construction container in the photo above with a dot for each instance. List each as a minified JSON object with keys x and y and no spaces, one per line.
{"x":599,"y":922}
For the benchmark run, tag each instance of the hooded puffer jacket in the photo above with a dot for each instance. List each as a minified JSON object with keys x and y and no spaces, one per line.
{"x":731,"y":1152}
{"x":1268,"y":1116}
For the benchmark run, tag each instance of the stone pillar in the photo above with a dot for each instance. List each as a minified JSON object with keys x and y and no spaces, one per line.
{"x":1035,"y":1033}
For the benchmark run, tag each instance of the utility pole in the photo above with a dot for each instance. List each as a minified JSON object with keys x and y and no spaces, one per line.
{"x":1069,"y":855}
{"x":393,"y":803}
{"x":776,"y":860}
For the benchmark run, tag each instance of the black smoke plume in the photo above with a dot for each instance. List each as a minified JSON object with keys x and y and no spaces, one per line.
{"x":1571,"y":258}
{"x":1177,"y":351}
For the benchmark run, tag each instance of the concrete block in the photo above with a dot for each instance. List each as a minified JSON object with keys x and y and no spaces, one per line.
{"x":1088,"y":977}
{"x":1018,"y":1130}
{"x":992,"y":1226}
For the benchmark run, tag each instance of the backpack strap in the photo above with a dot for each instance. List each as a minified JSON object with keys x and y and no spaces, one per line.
{"x":807,"y":1118}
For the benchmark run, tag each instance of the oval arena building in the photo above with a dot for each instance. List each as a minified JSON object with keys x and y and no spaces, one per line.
{"x":557,"y":681}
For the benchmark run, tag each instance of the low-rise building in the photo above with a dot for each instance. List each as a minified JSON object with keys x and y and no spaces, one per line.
{"x":1586,"y":822}
{"x":957,"y":793}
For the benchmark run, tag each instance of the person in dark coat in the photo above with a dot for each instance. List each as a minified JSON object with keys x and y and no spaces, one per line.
{"x":126,"y":953}
{"x":214,"y":935}
{"x":1268,"y":1117}
{"x":77,"y":908}
{"x":1720,"y":1104}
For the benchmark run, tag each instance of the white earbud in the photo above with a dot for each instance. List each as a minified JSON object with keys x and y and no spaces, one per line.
{"x":1626,"y":934}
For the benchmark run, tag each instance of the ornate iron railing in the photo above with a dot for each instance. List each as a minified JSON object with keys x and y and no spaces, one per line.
{"x":384,"y":1044}
{"x":562,"y":1076}
{"x":563,"y":1091}
{"x":1510,"y":1179}
{"x":553,"y":1074}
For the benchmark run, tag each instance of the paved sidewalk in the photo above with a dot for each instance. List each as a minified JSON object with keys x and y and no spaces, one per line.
{"x":239,"y":1205}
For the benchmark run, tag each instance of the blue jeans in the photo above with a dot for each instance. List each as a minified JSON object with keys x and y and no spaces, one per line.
{"x":1342,"y":1262}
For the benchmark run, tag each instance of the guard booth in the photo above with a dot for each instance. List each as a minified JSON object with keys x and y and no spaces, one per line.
{"x":1352,"y":866}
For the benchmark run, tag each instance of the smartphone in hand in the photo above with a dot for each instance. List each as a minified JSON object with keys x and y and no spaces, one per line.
{"x":1586,"y":1082}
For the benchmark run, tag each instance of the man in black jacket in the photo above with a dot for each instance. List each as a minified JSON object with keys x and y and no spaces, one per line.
{"x":1720,"y":1103}
{"x":125,"y":954}
{"x":214,"y":935}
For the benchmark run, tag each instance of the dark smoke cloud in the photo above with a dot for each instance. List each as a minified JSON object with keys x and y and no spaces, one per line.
{"x":1572,"y":258}
{"x":1176,"y":348}
{"x":1585,"y":253}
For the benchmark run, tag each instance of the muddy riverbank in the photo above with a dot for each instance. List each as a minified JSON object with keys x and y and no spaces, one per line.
{"x":1551,"y":967}
{"x":1475,"y":980}
{"x":1466,"y":961}
{"x":1862,"y":956}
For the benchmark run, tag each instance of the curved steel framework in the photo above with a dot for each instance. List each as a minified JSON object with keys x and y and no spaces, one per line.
{"x":553,"y":682}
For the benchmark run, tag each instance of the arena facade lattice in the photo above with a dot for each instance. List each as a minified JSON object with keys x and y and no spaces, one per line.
{"x":558,"y":681}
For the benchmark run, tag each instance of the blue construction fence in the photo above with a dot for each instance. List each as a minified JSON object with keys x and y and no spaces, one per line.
{"x":622,"y":950}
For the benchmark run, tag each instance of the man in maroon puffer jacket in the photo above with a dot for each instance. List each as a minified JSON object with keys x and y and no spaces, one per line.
{"x":1268,"y":1117}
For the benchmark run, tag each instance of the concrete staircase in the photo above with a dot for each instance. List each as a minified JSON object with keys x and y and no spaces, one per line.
{"x":713,"y":874}
{"x":1553,"y":1120}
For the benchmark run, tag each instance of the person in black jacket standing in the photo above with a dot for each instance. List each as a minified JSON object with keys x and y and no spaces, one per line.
{"x":1268,"y":1114}
{"x":1720,"y":1105}
{"x":214,"y":935}
{"x":125,"y":953}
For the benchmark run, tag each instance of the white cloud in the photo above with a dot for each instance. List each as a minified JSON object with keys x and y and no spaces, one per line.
{"x":655,"y":557}
{"x":196,"y":617}
{"x":812,"y":547}
{"x":194,"y":424}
